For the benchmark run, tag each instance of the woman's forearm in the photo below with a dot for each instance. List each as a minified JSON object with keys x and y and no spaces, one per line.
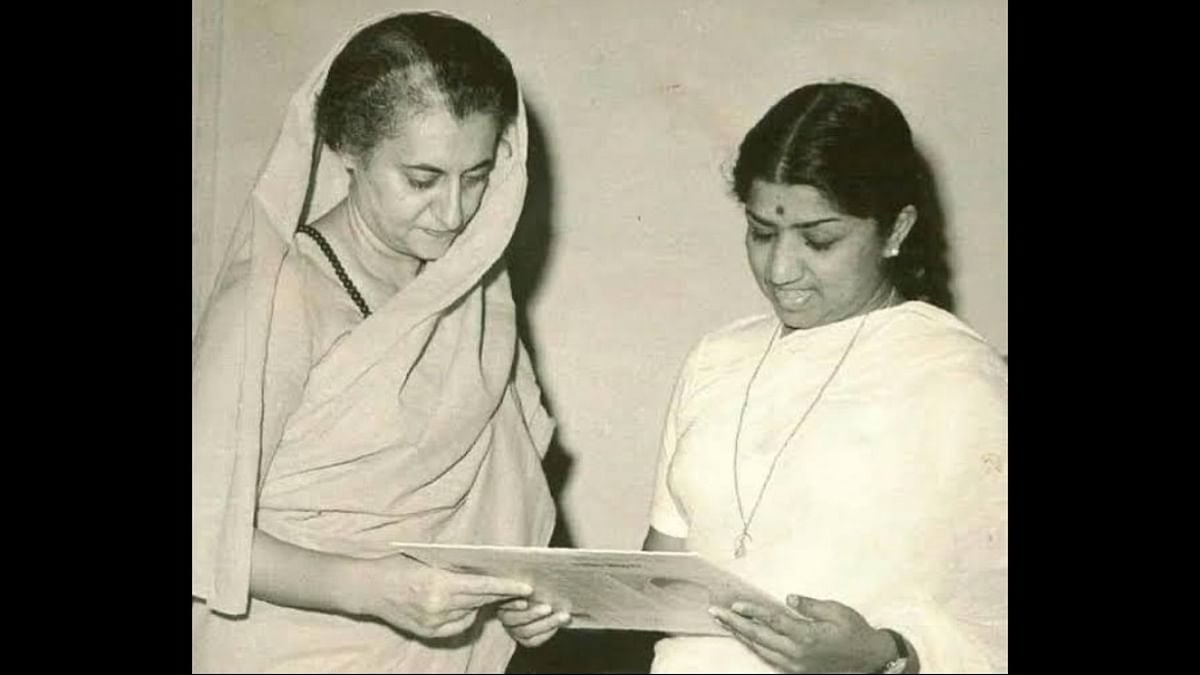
{"x":657,"y":541}
{"x":286,"y":574}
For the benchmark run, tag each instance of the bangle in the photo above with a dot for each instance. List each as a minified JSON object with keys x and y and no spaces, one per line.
{"x":900,"y":663}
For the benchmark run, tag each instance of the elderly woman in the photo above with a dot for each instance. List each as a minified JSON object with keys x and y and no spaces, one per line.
{"x":358,"y":380}
{"x":852,"y":445}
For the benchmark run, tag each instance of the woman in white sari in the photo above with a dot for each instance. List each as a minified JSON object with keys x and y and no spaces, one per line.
{"x":357,"y":376}
{"x":851,"y":446}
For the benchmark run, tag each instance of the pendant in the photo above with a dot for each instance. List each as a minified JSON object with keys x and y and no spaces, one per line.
{"x":739,"y":549}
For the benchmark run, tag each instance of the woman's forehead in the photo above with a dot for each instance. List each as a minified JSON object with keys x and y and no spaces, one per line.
{"x":437,"y":137}
{"x":782,"y":199}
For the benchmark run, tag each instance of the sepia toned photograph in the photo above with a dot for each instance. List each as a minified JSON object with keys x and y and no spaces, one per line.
{"x":720,"y":282}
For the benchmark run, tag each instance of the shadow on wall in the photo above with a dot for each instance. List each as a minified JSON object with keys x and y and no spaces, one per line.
{"x":529,"y":251}
{"x":532,"y":246}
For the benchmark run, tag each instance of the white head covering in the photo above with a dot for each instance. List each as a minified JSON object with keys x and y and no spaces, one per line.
{"x":279,"y":191}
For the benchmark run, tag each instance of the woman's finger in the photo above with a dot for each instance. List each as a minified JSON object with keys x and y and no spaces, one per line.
{"x":538,"y":640}
{"x":548,"y":624}
{"x":821,"y":610}
{"x":475,"y":585}
{"x":781,"y":661}
{"x":754,"y":631}
{"x":782,"y":623}
{"x":513,"y":618}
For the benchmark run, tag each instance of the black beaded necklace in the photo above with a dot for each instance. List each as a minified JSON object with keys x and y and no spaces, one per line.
{"x":338,"y":269}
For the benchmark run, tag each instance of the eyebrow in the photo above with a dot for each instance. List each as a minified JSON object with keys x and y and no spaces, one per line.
{"x":766,"y":222}
{"x":487,"y":163}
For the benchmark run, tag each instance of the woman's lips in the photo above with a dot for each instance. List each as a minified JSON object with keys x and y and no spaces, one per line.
{"x":792,"y":299}
{"x":440,"y":234}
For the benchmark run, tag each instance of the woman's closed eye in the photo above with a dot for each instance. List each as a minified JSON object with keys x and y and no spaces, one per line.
{"x":475,"y":179}
{"x":426,"y":182}
{"x":762,"y":235}
{"x":421,"y":182}
{"x":820,"y":245}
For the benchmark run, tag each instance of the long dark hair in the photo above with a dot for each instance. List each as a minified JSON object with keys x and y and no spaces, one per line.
{"x":853,"y":144}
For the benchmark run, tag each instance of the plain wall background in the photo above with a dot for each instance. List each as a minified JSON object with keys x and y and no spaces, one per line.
{"x":631,"y":246}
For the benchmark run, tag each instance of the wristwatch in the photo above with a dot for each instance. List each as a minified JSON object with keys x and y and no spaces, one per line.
{"x":900,"y":663}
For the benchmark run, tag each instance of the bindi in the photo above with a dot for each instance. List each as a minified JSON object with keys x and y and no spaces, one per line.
{"x":779,"y":210}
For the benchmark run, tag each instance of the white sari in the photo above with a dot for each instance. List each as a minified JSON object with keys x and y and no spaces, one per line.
{"x":892,"y":498}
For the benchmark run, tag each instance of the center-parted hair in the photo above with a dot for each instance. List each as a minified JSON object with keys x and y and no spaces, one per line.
{"x":852,"y":144}
{"x":405,"y":64}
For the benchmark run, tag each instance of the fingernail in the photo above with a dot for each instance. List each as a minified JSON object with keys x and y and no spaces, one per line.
{"x":713,"y":611}
{"x":563,"y":617}
{"x":738,"y":607}
{"x":521,"y":604}
{"x":543,"y":609}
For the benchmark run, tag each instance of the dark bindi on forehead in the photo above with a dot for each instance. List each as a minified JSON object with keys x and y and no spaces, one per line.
{"x":779,"y":210}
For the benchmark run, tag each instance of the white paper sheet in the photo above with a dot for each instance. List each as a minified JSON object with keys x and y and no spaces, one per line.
{"x":622,"y":590}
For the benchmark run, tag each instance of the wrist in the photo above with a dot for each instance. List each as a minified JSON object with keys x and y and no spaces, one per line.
{"x":882,"y":648}
{"x":363,"y":583}
{"x":898,"y":657}
{"x":352,"y":585}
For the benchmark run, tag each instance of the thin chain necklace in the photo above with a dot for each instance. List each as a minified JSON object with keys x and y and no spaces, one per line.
{"x":739,"y":545}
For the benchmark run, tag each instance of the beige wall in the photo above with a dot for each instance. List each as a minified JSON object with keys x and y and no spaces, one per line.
{"x":640,"y":106}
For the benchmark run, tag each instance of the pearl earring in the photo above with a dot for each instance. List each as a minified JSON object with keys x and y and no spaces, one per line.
{"x":891,"y":252}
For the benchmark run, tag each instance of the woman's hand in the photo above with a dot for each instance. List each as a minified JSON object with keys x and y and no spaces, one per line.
{"x":531,"y":624}
{"x":814,"y":636}
{"x":427,"y":601}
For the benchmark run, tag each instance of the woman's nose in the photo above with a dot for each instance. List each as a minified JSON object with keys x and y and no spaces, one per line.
{"x":450,"y":211}
{"x":787,"y":260}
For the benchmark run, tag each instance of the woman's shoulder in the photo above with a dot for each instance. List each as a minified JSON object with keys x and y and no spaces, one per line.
{"x":742,"y":329}
{"x":297,"y":273}
{"x":308,"y":272}
{"x":305,"y":257}
{"x":937,"y":344}
{"x":732,"y":341}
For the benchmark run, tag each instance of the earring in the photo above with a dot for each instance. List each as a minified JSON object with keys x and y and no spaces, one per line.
{"x":892,"y":252}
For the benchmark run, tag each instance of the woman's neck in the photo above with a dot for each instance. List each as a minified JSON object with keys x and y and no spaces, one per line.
{"x":377,"y":258}
{"x":885,"y":296}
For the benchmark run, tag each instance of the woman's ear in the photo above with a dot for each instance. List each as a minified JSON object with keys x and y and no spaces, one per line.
{"x":900,"y":229}
{"x":349,"y":161}
{"x":504,"y":147}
